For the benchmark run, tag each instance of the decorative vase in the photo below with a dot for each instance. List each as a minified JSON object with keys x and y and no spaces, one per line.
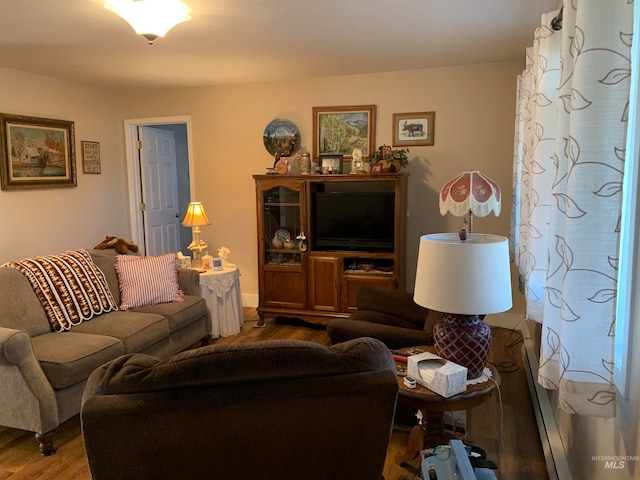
{"x":465,"y":340}
{"x":207,"y":261}
{"x":303,"y":162}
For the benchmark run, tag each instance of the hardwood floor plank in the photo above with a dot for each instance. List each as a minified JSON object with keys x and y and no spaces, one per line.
{"x":514,"y":445}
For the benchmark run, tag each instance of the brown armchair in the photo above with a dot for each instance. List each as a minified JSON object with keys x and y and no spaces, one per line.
{"x":278,"y":409}
{"x":388,"y":315}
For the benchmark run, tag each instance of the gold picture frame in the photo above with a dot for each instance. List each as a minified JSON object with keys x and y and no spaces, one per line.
{"x":415,"y":129}
{"x":338,"y":130}
{"x":36,"y":153}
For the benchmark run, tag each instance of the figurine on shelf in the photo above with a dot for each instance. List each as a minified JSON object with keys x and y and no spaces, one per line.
{"x":277,"y":242}
{"x":286,"y":151}
{"x":223,"y":253}
{"x":302,"y":242}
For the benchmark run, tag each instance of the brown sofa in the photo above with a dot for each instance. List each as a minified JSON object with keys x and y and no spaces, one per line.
{"x":273,"y":410}
{"x":43,"y":373}
{"x":388,"y":315}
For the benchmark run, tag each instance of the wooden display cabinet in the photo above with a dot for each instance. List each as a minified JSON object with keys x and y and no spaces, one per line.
{"x":316,"y":282}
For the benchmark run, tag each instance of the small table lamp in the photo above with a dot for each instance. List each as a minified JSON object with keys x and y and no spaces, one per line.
{"x":470,"y":193}
{"x":195,"y":217}
{"x":463,"y":279}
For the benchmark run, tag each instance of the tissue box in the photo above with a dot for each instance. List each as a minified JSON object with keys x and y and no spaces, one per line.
{"x":184,"y":262}
{"x":437,"y":374}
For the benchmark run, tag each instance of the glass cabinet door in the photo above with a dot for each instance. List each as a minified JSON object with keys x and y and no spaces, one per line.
{"x":281,"y":216}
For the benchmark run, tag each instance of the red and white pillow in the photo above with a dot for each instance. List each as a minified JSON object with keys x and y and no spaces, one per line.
{"x":147,"y":280}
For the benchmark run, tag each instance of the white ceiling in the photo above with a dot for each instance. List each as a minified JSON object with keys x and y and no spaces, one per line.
{"x":243,"y":41}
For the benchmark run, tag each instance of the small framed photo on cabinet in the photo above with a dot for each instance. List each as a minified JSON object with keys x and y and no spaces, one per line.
{"x":331,"y":162}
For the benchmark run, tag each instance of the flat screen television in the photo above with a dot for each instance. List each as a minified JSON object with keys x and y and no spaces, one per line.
{"x":358,"y":221}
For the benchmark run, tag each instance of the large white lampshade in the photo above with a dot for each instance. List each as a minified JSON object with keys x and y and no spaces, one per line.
{"x":463,"y":279}
{"x":468,"y":277}
{"x":150,"y":18}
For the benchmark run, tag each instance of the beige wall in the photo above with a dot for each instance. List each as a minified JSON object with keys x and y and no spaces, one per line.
{"x":474,"y":130}
{"x":44,"y":221}
{"x":474,"y":126}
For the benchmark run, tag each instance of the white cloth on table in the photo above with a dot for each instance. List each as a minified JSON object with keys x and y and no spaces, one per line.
{"x":221,"y":291}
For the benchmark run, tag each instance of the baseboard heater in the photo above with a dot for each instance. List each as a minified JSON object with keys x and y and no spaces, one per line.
{"x":552,"y":446}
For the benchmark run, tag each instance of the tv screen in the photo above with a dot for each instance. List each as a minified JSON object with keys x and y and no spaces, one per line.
{"x":360,"y":221}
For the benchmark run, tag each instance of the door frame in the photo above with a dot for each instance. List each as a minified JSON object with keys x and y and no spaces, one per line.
{"x":134,"y":179}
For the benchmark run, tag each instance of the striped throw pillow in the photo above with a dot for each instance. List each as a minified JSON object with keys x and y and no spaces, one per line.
{"x":147,"y":280}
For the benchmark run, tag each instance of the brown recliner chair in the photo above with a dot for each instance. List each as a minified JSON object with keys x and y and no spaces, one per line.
{"x":280,"y":409}
{"x":388,"y":315}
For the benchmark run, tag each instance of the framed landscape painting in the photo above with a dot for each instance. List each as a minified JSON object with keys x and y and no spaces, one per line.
{"x":36,"y":153}
{"x":338,"y":130}
{"x":414,"y":129}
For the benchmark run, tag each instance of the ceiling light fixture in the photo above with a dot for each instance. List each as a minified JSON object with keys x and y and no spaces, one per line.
{"x":150,"y":18}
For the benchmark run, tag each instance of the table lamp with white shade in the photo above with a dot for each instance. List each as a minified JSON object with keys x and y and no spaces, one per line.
{"x":195,"y":218}
{"x":463,"y":280}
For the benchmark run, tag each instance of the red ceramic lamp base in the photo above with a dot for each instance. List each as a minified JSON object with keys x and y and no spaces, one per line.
{"x":465,"y":340}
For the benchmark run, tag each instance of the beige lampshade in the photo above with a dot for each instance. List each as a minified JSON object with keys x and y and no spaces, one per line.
{"x":150,"y":18}
{"x":469,"y":277}
{"x":195,"y":215}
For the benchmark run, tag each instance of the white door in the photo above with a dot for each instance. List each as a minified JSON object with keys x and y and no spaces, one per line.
{"x":161,"y":213}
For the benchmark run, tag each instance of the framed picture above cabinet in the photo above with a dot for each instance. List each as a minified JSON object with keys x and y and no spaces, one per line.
{"x":338,"y":130}
{"x":414,"y":129}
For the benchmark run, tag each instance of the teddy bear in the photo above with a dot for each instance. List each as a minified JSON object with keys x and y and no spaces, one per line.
{"x":121,"y":245}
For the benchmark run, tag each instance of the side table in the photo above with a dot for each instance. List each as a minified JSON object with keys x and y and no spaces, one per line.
{"x":433,"y":406}
{"x":221,"y":291}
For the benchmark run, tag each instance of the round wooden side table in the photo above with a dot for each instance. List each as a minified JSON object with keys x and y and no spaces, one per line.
{"x":433,"y":406}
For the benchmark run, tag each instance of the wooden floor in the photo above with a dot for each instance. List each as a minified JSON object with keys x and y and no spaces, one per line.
{"x":509,"y":434}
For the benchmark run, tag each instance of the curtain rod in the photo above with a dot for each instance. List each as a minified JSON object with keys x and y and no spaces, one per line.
{"x":556,"y":23}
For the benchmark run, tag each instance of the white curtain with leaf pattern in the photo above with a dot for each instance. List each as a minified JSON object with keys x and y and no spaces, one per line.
{"x":571,"y":122}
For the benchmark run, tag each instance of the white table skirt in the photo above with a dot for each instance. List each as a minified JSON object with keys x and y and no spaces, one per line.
{"x":221,"y":291}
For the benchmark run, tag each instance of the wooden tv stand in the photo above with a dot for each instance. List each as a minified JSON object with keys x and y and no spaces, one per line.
{"x":318,"y":285}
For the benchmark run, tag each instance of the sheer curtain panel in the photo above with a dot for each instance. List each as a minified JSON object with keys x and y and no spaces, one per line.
{"x":571,"y":123}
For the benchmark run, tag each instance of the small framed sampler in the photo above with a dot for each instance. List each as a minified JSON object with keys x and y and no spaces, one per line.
{"x":90,"y":157}
{"x":218,"y":264}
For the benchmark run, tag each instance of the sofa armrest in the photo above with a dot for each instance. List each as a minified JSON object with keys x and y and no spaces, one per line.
{"x":27,"y":398}
{"x":189,"y":281}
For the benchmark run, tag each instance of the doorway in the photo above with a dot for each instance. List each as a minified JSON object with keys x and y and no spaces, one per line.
{"x":141,"y":184}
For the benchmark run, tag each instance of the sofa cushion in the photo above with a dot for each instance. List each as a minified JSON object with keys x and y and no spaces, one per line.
{"x":70,"y":287}
{"x":20,"y":308}
{"x":105,"y":260}
{"x":181,"y":314}
{"x":68,"y":357}
{"x":147,"y":280}
{"x":136,"y":330}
